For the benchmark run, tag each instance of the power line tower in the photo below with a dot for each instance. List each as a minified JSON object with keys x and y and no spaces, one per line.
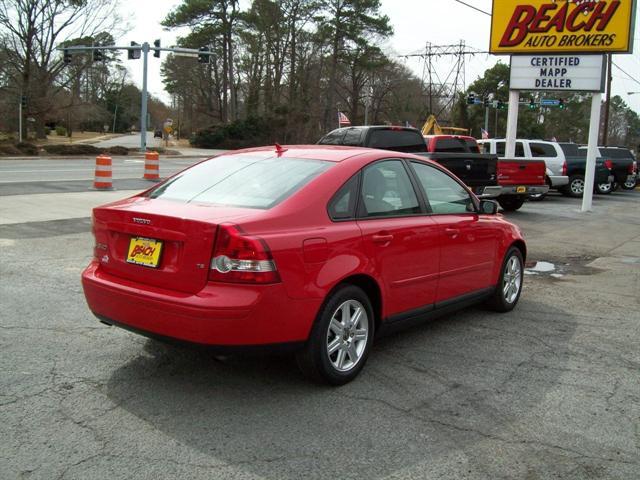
{"x":443,"y":75}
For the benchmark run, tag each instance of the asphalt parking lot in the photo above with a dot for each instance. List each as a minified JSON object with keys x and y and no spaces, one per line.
{"x":550,"y":390}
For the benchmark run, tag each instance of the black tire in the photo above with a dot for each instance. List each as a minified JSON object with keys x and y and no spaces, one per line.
{"x":603,"y":188}
{"x":500,"y":302}
{"x":538,"y":197}
{"x":314,"y":360}
{"x":511,"y":203}
{"x":575,"y":188}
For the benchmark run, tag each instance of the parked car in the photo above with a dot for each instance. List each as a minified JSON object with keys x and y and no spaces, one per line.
{"x":550,"y":152}
{"x":476,"y":171}
{"x":518,"y":178}
{"x":625,"y":166}
{"x":309,"y":248}
{"x":576,"y":166}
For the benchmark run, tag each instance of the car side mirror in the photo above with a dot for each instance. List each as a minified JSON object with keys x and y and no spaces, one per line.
{"x":488,"y":207}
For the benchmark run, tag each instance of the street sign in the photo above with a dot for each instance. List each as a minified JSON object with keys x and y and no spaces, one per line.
{"x":558,"y":73}
{"x":549,"y":102}
{"x":562,"y":26}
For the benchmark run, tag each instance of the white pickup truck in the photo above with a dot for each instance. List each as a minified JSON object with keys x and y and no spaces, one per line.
{"x":550,"y":152}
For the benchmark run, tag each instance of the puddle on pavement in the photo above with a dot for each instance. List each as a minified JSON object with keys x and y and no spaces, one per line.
{"x":557,"y":269}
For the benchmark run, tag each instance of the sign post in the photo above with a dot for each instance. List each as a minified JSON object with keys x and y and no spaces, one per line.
{"x":590,"y":168}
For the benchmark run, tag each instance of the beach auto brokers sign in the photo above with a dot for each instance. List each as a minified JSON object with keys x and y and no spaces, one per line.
{"x":557,"y":72}
{"x":562,"y":26}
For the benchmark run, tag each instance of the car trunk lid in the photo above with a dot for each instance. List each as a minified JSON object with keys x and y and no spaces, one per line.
{"x":157,"y":242}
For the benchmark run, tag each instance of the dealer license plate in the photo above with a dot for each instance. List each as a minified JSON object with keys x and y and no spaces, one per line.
{"x":144,"y":251}
{"x":521,"y":189}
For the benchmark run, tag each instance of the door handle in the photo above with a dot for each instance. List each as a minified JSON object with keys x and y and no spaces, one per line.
{"x":452,"y":232}
{"x":381,"y":238}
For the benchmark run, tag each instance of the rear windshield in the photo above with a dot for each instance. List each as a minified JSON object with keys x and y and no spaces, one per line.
{"x":451,"y":145}
{"x":570,"y":149}
{"x":616,"y":152}
{"x":397,"y":140}
{"x":250,"y":181}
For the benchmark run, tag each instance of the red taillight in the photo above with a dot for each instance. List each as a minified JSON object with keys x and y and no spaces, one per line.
{"x":564,"y":169}
{"x":238,"y":258}
{"x":608,"y":164}
{"x":632,"y":168}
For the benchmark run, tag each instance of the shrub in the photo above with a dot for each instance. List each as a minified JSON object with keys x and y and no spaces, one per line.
{"x":27,"y":148}
{"x":61,"y":131}
{"x":47,"y":131}
{"x":117,"y":150}
{"x":72,"y":149}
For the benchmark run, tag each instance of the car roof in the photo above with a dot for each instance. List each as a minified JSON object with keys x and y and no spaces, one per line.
{"x":331,"y":153}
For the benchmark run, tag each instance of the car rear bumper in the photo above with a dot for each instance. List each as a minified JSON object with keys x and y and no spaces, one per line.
{"x":496,"y":191}
{"x":558,"y":180}
{"x":229,"y":315}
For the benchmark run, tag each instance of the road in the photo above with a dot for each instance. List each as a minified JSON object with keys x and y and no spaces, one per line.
{"x":547,"y":391}
{"x":76,"y":174}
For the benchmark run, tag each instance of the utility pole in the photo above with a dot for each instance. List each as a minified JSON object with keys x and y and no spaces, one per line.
{"x":605,"y":129}
{"x":20,"y":120}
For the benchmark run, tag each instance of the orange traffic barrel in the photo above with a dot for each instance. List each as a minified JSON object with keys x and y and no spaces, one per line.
{"x":103,"y":178}
{"x":152,"y":166}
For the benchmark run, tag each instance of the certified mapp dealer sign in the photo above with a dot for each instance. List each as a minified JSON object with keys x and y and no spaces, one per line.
{"x":562,"y":26}
{"x":557,"y":72}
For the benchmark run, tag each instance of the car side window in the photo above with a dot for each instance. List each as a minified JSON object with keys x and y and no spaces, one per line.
{"x":542,"y":150}
{"x":519,"y":149}
{"x":444,"y":194}
{"x":387,"y":191}
{"x":500,"y":149}
{"x":333,"y":138}
{"x":353,"y":137}
{"x":343,"y":204}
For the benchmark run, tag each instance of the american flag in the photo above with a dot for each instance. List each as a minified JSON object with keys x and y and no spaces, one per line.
{"x":343,"y":120}
{"x":485,"y":134}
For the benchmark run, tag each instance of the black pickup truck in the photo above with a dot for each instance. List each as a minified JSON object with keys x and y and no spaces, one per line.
{"x":477,"y":171}
{"x":624,"y":165}
{"x":576,"y":160}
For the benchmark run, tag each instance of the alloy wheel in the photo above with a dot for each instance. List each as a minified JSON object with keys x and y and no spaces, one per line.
{"x":512,"y":279}
{"x":347,"y":335}
{"x":577,"y":186}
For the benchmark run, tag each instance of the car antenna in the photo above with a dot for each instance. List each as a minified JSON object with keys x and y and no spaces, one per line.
{"x":279,"y":149}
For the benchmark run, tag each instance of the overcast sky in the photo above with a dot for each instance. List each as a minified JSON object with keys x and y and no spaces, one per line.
{"x":416,"y":22}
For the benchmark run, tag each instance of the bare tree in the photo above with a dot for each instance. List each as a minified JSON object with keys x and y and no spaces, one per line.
{"x":31,"y":31}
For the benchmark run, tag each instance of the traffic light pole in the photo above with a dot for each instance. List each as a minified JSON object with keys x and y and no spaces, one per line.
{"x":202,"y":54}
{"x":143,"y":112}
{"x":486,"y":120}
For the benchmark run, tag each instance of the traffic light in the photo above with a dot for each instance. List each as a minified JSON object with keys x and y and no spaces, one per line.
{"x":98,"y":55}
{"x":67,"y":56}
{"x":134,"y":54}
{"x":532,"y":104}
{"x":471,"y":99}
{"x":486,"y":102}
{"x":202,"y":57}
{"x":156,"y":44}
{"x":561,"y":104}
{"x":501,"y":105}
{"x":23,"y":101}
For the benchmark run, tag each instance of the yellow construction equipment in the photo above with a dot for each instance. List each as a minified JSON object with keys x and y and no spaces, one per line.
{"x":431,"y":127}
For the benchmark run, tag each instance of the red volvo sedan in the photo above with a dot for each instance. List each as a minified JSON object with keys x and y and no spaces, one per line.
{"x":312,"y":248}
